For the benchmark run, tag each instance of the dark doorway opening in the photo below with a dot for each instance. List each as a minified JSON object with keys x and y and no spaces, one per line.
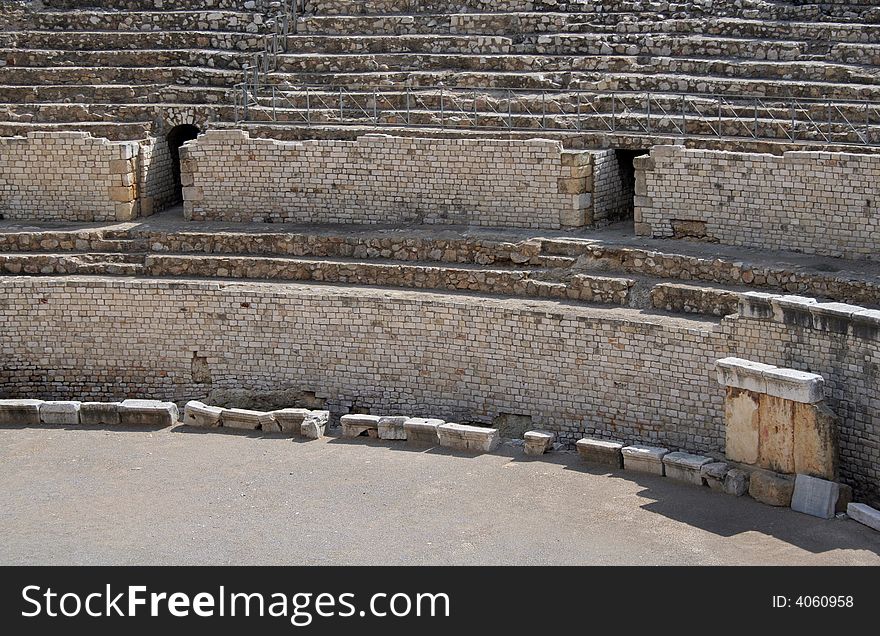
{"x":178,"y":136}
{"x":627,"y":172}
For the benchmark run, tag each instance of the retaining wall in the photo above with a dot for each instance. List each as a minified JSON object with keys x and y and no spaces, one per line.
{"x":812,"y":202}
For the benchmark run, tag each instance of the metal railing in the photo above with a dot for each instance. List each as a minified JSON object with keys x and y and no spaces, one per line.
{"x":687,"y":115}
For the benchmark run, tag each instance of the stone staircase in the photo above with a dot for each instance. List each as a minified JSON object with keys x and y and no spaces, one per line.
{"x":479,"y":262}
{"x":103,"y":66}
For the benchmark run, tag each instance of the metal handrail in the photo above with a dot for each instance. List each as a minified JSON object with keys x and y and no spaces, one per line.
{"x":653,"y":113}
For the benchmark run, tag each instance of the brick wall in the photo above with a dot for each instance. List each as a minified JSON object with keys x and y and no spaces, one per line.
{"x":576,"y":370}
{"x":67,"y":176}
{"x":156,"y":177}
{"x":813,"y":202}
{"x":380,"y":179}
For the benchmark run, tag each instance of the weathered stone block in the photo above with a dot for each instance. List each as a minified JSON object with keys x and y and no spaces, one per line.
{"x":314,"y":426}
{"x":833,"y":317}
{"x":201,"y":415}
{"x":864,"y":514}
{"x":60,"y":413}
{"x":356,"y":425}
{"x":644,"y":459}
{"x":468,"y":438}
{"x":771,"y":488}
{"x":794,"y":385}
{"x":99,"y":414}
{"x":742,"y":425}
{"x":422,"y":431}
{"x":147,"y":413}
{"x":756,"y":305}
{"x":713,"y":474}
{"x":685,"y":467}
{"x":247,"y":420}
{"x":20,"y":412}
{"x":736,"y":482}
{"x":392,"y":427}
{"x":793,"y":310}
{"x":600,"y":451}
{"x":538,"y":442}
{"x":813,"y":496}
{"x":742,"y":374}
{"x":289,"y":420}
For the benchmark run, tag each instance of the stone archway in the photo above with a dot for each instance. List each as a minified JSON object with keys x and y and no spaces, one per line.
{"x":175,"y":138}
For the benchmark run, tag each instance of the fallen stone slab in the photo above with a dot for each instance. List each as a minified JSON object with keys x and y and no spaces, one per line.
{"x":355,"y":425}
{"x":198,"y":414}
{"x":288,"y":421}
{"x":864,"y":514}
{"x":736,"y":482}
{"x":99,"y":414}
{"x":600,"y":451}
{"x":20,"y":412}
{"x":60,"y":413}
{"x":814,"y":496}
{"x":685,"y":467}
{"x":314,"y":426}
{"x":771,"y":488}
{"x":147,"y":413}
{"x":422,"y":431}
{"x":713,"y":475}
{"x":392,"y":427}
{"x":644,"y":459}
{"x":247,"y":420}
{"x":538,"y":442}
{"x":468,"y":438}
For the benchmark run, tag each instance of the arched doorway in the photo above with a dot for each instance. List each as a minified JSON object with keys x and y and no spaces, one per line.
{"x":176,"y":137}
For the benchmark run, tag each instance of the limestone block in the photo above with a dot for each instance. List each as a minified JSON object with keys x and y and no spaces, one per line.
{"x":816,"y":442}
{"x":392,"y":427}
{"x":797,"y":386}
{"x":538,"y":442}
{"x":771,"y":488}
{"x":644,"y":459}
{"x":600,"y":451}
{"x":288,"y":420}
{"x":247,"y":420}
{"x":864,"y":514}
{"x":865,"y":324}
{"x":685,"y":467}
{"x":468,"y":438}
{"x":713,"y":474}
{"x":357,"y":425}
{"x":742,"y":426}
{"x":736,"y":482}
{"x":776,"y":434}
{"x":201,"y":415}
{"x":60,"y":413}
{"x":833,"y":317}
{"x":20,"y":412}
{"x":742,"y":374}
{"x":422,"y":431}
{"x":314,"y":426}
{"x":147,"y":413}
{"x":756,"y":305}
{"x":793,"y":310}
{"x":813,"y":496}
{"x":99,"y":414}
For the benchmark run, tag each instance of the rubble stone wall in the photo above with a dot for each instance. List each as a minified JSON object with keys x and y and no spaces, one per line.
{"x":812,"y":202}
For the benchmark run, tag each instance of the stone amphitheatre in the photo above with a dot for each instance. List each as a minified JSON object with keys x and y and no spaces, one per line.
{"x":648,"y":231}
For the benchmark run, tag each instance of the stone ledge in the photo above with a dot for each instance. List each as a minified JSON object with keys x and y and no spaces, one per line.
{"x":468,"y":438}
{"x":422,"y":430}
{"x":600,"y":451}
{"x":20,"y":412}
{"x":645,"y":459}
{"x":807,"y":313}
{"x":788,"y":384}
{"x":147,"y":413}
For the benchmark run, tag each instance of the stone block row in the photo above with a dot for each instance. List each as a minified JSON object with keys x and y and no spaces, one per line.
{"x":807,"y":313}
{"x":128,"y":413}
{"x":291,"y":421}
{"x":424,"y":431}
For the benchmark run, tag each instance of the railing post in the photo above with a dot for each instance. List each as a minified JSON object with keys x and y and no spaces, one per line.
{"x":375,"y":106}
{"x":720,"y":124}
{"x":442,"y":110}
{"x":308,"y":107}
{"x":341,"y":111}
{"x":544,"y":109}
{"x":578,"y":116}
{"x":614,"y":112}
{"x":244,"y":93}
{"x":683,"y":117}
{"x":509,"y":109}
{"x":649,"y":112}
{"x":476,"y":116}
{"x":755,"y":126}
{"x":828,"y":138}
{"x":793,"y":134}
{"x":407,"y":105}
{"x":274,"y":113}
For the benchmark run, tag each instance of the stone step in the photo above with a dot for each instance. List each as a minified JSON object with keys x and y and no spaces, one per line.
{"x":91,"y":20}
{"x":109,"y":75}
{"x":208,"y":58}
{"x":152,"y":5}
{"x":134,"y":40}
{"x":115,"y":131}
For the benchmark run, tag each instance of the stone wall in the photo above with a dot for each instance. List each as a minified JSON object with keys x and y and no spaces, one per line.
{"x":380,"y":179}
{"x":813,"y":202}
{"x":67,"y":176}
{"x":615,"y":373}
{"x":156,"y":177}
{"x":612,"y":187}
